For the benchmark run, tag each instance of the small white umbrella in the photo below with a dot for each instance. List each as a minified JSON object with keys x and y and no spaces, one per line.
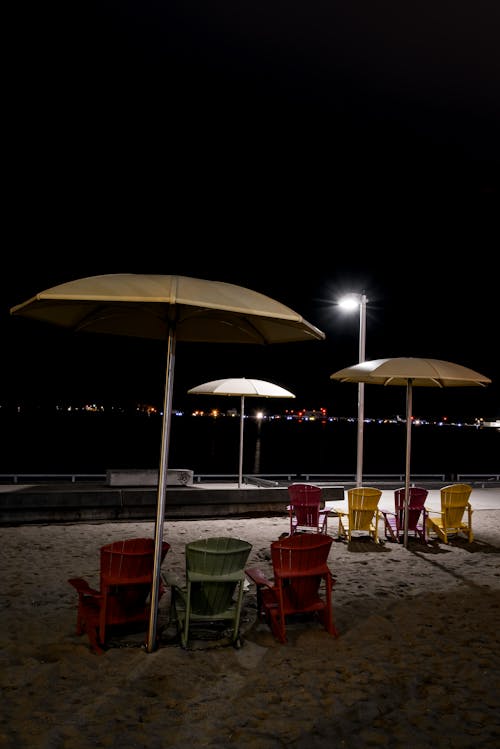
{"x":243,"y":387}
{"x":410,"y":372}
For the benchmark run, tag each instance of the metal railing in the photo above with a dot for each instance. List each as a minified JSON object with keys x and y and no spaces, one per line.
{"x":49,"y":478}
{"x":250,"y":478}
{"x":479,"y":478}
{"x":261,"y":479}
{"x":377,"y":477}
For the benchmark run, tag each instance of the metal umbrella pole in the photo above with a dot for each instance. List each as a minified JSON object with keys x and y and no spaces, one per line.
{"x":361,"y":391}
{"x":162,"y":488}
{"x":409,"y":393}
{"x":240,"y":466}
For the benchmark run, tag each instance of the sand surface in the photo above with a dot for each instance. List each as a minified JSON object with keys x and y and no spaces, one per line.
{"x":416,"y":663}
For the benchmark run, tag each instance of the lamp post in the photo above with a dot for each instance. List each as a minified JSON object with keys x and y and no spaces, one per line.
{"x":350,"y":302}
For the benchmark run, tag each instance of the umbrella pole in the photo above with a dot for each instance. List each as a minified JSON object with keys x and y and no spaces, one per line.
{"x":408,"y":452}
{"x":162,"y":485}
{"x":240,"y":468}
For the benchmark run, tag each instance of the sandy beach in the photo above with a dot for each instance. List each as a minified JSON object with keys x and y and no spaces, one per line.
{"x":416,"y":663}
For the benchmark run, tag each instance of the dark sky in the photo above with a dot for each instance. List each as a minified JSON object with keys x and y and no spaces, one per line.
{"x":218,"y":122}
{"x":298,"y":148}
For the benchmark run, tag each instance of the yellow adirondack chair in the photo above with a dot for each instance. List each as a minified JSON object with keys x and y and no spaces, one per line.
{"x":363,"y":513}
{"x":455,"y":515}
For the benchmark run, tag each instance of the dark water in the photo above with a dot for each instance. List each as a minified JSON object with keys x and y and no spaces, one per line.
{"x":96,"y":442}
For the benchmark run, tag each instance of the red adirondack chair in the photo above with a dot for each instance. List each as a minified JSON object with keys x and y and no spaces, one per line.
{"x":126,"y":576}
{"x":305,"y":510}
{"x":394,"y":522}
{"x":302,"y":582}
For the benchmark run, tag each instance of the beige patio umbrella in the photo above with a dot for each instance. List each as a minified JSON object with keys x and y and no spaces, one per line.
{"x":244,"y":388}
{"x":411,"y":372}
{"x":168,"y":308}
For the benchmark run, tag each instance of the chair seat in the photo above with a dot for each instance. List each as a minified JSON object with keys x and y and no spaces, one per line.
{"x":311,"y":525}
{"x":394,"y":527}
{"x":442,"y":528}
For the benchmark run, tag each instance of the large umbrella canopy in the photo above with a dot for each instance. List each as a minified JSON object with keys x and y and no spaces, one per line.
{"x":168,"y":308}
{"x":243,"y":387}
{"x":410,"y":372}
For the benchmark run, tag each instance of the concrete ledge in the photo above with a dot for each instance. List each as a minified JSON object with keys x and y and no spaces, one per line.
{"x":147,"y":477}
{"x":69,"y":504}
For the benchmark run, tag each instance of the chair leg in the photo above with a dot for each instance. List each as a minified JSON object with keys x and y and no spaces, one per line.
{"x":469,"y":517}
{"x":185,"y":631}
{"x":93,"y":639}
{"x":237,"y":615}
{"x":441,"y":533}
{"x":87,"y":622}
{"x":90,"y":627}
{"x":279,"y":615}
{"x":389,"y":531}
{"x":342,"y":531}
{"x":326,"y":615}
{"x":277,"y":624}
{"x":80,"y":627}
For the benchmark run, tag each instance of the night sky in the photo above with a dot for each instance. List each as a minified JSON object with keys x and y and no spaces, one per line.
{"x":300,"y":149}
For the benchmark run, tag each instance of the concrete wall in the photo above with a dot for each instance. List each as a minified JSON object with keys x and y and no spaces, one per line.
{"x":65,"y":504}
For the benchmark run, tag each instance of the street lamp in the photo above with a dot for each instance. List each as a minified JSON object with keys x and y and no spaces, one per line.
{"x":351,"y":302}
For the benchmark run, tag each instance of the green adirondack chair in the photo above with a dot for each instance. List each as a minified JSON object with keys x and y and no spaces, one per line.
{"x":213,"y":591}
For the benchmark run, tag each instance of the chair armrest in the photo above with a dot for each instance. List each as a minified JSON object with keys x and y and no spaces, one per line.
{"x":258,"y":577}
{"x":206,"y":577}
{"x":388,"y":512}
{"x":433,"y":512}
{"x":329,"y":508}
{"x":109,"y":581}
{"x":83,"y":588}
{"x":310,"y":572}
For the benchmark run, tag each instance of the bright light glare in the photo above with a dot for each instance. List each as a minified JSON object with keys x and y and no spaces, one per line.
{"x":349,"y":302}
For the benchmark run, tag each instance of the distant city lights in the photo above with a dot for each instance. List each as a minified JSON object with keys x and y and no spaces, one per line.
{"x":303,"y":415}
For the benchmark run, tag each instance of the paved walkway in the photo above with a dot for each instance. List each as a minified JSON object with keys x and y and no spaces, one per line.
{"x":480,"y":499}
